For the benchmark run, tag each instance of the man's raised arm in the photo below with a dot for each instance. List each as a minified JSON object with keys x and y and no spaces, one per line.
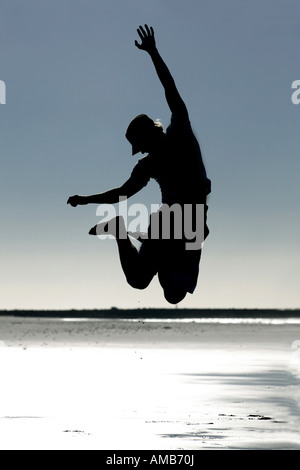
{"x":148,"y":44}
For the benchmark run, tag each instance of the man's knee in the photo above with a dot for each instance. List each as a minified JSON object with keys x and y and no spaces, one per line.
{"x":138,"y":282}
{"x":174,"y":295}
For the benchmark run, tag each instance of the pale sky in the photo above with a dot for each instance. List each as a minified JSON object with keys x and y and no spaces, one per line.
{"x":74,"y":80}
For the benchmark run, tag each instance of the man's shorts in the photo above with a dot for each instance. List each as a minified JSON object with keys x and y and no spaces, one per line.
{"x":176,"y":265}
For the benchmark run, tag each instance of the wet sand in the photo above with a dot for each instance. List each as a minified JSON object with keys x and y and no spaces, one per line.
{"x":130,"y":385}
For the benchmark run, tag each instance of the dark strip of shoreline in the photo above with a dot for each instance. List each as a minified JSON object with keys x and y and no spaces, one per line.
{"x":154,"y":313}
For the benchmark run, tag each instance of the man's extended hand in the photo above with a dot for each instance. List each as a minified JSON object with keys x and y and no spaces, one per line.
{"x":77,"y":201}
{"x":147,"y":37}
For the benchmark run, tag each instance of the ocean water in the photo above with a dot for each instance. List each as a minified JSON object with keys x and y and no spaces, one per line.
{"x":169,"y":385}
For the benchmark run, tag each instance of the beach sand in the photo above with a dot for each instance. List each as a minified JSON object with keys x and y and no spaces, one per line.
{"x":131,"y":385}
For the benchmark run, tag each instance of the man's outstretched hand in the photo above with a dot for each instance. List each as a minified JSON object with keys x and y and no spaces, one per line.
{"x":77,"y":201}
{"x":147,"y":37}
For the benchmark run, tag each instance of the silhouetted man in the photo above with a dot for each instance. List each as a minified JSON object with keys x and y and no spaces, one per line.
{"x":174,"y":160}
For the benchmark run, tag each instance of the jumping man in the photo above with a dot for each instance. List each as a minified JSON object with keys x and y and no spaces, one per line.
{"x":174,"y":160}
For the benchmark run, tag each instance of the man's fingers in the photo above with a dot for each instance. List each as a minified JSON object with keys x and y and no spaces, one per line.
{"x":143,"y":32}
{"x":140,"y":34}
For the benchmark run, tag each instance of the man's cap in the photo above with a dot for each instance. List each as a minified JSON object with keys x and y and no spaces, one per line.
{"x":137,"y":126}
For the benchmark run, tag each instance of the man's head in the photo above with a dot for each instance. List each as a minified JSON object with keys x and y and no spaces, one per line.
{"x":143,"y":134}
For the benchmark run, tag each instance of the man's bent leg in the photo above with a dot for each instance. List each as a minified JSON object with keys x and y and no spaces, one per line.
{"x":179,"y":273}
{"x":137,"y":266}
